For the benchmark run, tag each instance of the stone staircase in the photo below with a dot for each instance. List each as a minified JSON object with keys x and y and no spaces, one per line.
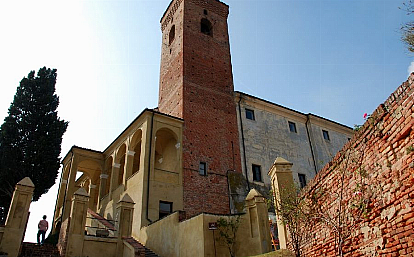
{"x":140,"y":250}
{"x":101,"y":219}
{"x":35,"y":250}
{"x":47,"y":250}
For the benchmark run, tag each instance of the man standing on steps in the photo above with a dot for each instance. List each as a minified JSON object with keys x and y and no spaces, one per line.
{"x":42,"y":226}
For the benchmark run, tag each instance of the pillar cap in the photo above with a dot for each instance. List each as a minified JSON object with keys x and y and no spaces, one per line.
{"x":82,"y":192}
{"x":280,"y":165}
{"x":126,"y":199}
{"x":252,"y":194}
{"x":280,"y":160}
{"x":26,"y":182}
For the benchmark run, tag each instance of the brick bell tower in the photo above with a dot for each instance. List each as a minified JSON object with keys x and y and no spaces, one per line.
{"x":196,"y":84}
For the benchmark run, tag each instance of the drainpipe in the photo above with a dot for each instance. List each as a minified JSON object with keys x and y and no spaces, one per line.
{"x":228,"y":189}
{"x":310,"y":142}
{"x":149,"y":166}
{"x":243,"y":146}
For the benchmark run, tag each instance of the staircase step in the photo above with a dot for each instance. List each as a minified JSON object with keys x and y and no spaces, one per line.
{"x":102,"y":220}
{"x":139,"y":248}
{"x":35,"y":250}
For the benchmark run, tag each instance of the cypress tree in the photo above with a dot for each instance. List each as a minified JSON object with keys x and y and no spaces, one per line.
{"x":31,"y":136}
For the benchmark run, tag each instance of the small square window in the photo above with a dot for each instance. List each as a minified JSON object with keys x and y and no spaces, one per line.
{"x":202,"y":169}
{"x":165,"y":208}
{"x":292,"y":127}
{"x":249,"y":114}
{"x":325,"y":135}
{"x":257,"y":174}
{"x":302,"y":180}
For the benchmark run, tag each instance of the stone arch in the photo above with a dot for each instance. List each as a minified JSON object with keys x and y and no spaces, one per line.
{"x":90,"y":179}
{"x":166,"y":150}
{"x":90,"y":168}
{"x":120,"y":159}
{"x":135,"y":146}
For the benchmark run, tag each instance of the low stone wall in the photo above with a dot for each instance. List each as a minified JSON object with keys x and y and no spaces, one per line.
{"x":370,"y":183}
{"x":173,"y":237}
{"x":95,"y":246}
{"x":165,"y":236}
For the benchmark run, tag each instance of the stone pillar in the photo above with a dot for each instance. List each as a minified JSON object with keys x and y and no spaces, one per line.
{"x":281,"y":175}
{"x":71,"y":188}
{"x":60,"y":199}
{"x":103,"y":183}
{"x":114,"y":178}
{"x":129,"y":163}
{"x":61,"y":195}
{"x":125,"y":213}
{"x":92,"y":195}
{"x":76,"y":230}
{"x":17,"y":217}
{"x":125,"y":210}
{"x":259,"y":220}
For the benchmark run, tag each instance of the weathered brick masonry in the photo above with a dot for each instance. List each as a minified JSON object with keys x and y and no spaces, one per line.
{"x":196,"y":84}
{"x":386,"y":143}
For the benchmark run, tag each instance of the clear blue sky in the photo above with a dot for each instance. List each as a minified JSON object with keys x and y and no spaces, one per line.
{"x":334,"y":58}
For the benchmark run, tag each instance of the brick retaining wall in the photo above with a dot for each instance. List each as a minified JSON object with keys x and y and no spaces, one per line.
{"x":377,"y":165}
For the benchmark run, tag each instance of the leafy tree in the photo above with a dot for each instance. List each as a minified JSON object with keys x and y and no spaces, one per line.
{"x":407,"y":29}
{"x":294,"y":212}
{"x":31,"y":136}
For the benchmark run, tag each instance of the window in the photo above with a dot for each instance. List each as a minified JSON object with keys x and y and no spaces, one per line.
{"x":206,"y":27}
{"x":257,"y":174}
{"x":202,"y":169}
{"x":165,"y":209}
{"x":325,"y":135}
{"x":171,"y":35}
{"x":205,"y":12}
{"x":249,"y":114}
{"x":292,"y":127}
{"x":302,"y":180}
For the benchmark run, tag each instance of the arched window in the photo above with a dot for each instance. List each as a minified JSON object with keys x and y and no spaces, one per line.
{"x":137,"y":158}
{"x":166,"y":151}
{"x":171,"y":35}
{"x":121,"y":170}
{"x":136,"y":144}
{"x":121,"y":160}
{"x":206,"y":27}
